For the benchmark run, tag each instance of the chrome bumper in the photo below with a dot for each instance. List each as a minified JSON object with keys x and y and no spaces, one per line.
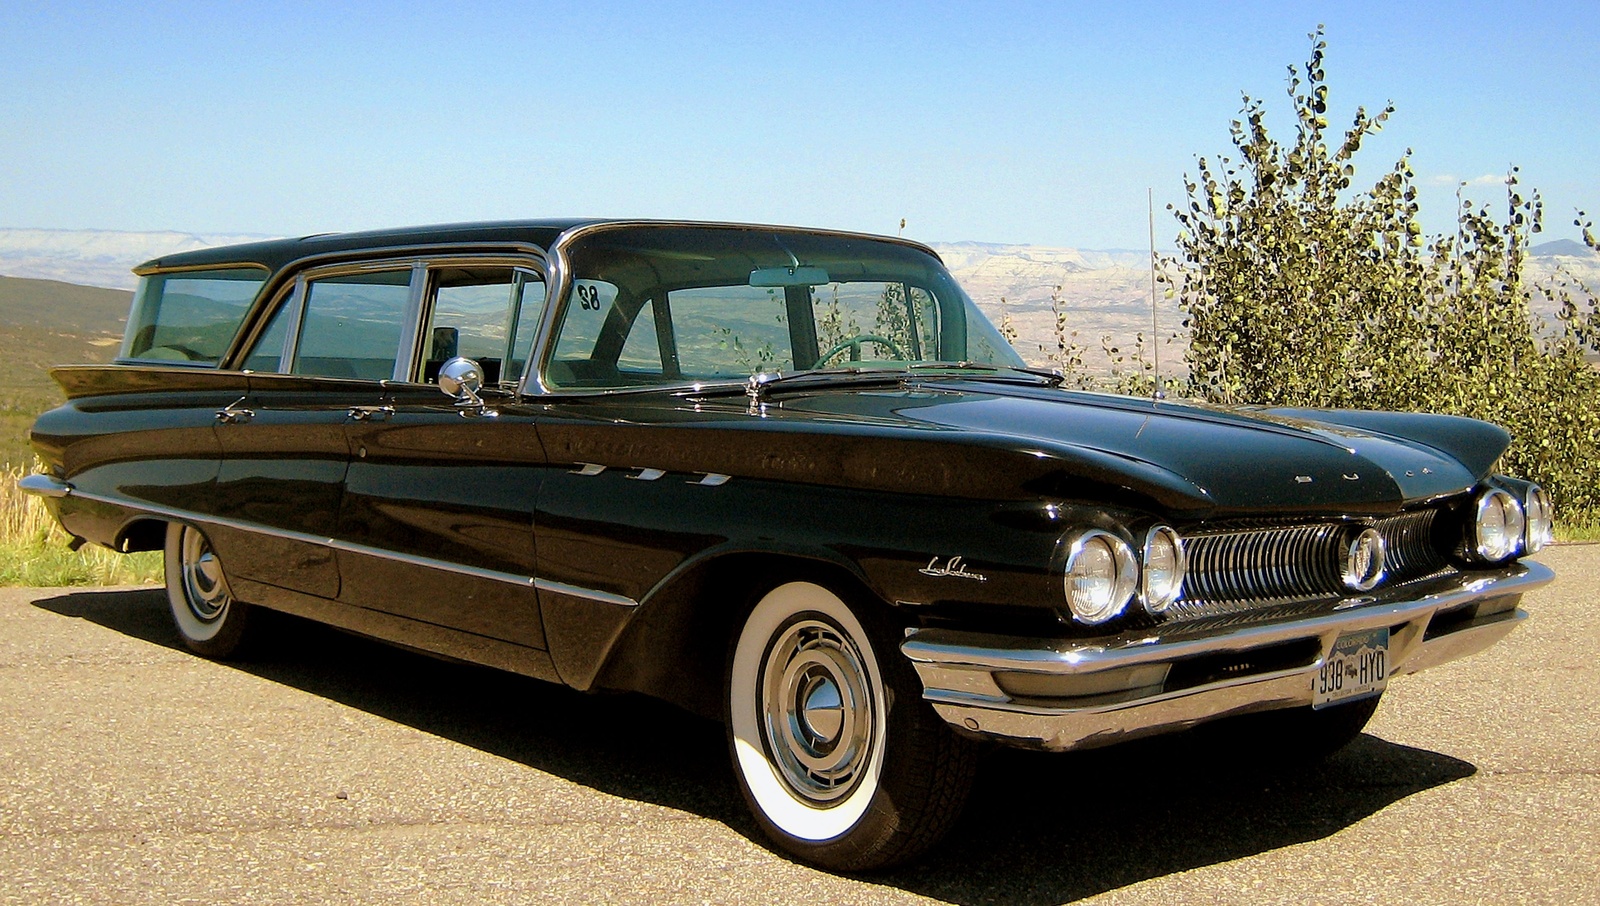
{"x":46,"y":486}
{"x":1076,"y":693}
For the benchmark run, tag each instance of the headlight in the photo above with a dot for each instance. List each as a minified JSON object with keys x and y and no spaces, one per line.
{"x":1498,"y":528}
{"x":1101,"y":576}
{"x":1541,"y":520}
{"x":1164,"y":565}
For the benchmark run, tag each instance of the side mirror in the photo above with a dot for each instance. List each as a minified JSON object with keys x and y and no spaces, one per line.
{"x":461,"y":378}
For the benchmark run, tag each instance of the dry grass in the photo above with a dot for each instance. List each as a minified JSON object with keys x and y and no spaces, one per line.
{"x":33,"y":549}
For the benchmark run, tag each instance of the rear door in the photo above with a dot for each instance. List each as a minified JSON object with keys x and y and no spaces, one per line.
{"x":327,"y":352}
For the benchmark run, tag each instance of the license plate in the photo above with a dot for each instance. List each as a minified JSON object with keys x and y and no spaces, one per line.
{"x":1358,"y":667}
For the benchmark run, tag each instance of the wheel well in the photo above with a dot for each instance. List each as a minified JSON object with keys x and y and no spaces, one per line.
{"x":677,"y":647}
{"x":142,"y":535}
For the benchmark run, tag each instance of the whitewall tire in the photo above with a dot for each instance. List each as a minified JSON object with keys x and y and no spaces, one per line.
{"x":209,"y":620}
{"x":837,"y":755}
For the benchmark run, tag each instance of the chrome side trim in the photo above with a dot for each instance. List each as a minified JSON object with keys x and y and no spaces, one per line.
{"x":40,"y":485}
{"x":588,"y":594}
{"x":185,"y":516}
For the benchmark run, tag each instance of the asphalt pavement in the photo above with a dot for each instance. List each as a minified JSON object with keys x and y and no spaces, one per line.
{"x":332,"y":769}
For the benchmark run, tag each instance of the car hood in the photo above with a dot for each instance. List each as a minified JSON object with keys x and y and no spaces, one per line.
{"x":1193,"y":457}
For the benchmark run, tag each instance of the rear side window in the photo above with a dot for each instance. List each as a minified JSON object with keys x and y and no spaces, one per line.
{"x":189,"y":317}
{"x":352,"y":325}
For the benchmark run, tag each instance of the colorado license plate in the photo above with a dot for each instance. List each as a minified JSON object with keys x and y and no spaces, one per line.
{"x":1358,"y":667}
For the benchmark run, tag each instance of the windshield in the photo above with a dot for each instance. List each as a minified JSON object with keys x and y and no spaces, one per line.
{"x":658,"y":305}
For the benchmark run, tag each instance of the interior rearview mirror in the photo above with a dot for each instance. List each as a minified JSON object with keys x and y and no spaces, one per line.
{"x":795,"y":275}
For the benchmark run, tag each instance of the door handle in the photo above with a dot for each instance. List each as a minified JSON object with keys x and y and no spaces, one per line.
{"x":370,"y":413}
{"x":228,"y":415}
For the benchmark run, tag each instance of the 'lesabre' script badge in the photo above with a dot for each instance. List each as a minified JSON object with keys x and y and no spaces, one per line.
{"x":954,"y":568}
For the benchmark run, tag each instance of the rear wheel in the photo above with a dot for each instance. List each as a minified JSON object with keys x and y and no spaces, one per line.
{"x":838,"y":756}
{"x":208,"y":618}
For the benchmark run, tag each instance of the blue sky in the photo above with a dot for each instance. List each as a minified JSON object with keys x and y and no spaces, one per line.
{"x":1007,"y":122}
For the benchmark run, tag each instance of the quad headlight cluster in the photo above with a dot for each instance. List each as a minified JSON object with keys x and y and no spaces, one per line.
{"x":1104,"y":574}
{"x":1506,"y":526}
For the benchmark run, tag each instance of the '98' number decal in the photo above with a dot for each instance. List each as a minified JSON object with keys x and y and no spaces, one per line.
{"x":589,"y":298}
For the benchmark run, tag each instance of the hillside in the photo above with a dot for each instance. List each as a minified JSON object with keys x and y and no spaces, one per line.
{"x":45,"y":323}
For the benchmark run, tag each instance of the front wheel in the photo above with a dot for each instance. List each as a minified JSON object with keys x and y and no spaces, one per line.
{"x":208,"y":618}
{"x":1290,"y":739}
{"x":838,"y":756}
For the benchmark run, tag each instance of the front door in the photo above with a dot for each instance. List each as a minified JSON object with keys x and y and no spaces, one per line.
{"x":436,"y":522}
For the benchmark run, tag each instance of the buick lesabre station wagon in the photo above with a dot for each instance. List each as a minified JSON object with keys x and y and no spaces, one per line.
{"x":788,"y":478}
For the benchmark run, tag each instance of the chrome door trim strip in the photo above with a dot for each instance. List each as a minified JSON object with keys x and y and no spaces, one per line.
{"x":589,"y":594}
{"x":53,"y":487}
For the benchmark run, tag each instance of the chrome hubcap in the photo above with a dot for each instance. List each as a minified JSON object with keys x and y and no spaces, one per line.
{"x":817,"y":710}
{"x":205,"y":587}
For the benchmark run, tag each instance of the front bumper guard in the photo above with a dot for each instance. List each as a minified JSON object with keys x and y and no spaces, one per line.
{"x":1076,"y":693}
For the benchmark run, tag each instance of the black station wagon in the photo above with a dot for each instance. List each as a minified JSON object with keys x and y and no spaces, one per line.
{"x":788,"y":478}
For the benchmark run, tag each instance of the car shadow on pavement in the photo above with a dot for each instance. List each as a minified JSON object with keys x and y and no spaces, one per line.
{"x":1039,"y":828}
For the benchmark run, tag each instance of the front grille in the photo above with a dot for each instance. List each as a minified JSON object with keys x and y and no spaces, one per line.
{"x":1247,"y":569}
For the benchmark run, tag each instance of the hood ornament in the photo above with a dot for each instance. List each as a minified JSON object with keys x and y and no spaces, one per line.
{"x":756,"y":389}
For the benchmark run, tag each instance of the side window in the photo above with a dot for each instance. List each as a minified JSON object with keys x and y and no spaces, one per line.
{"x":189,"y":317}
{"x":352,"y":325}
{"x":470,"y":316}
{"x":731,"y":331}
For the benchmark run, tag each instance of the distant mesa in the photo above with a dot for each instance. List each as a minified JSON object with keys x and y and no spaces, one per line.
{"x":103,"y":258}
{"x":1568,"y":248}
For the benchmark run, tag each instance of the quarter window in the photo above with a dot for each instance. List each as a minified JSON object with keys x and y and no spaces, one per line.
{"x":189,"y":317}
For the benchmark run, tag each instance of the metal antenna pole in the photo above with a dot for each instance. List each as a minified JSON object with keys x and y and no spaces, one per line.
{"x":1155,"y":326}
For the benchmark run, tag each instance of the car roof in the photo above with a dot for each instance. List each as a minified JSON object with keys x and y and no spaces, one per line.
{"x":276,"y":253}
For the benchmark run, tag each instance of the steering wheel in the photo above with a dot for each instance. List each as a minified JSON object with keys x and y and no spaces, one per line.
{"x":855,"y":343}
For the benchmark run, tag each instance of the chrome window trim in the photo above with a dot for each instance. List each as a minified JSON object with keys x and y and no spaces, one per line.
{"x":295,"y":269}
{"x":303,"y":282}
{"x":296,"y":312}
{"x":418,"y":301}
{"x":520,"y":266}
{"x":521,"y":276}
{"x":405,"y":359}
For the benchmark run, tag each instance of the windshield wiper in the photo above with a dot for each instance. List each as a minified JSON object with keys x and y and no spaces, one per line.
{"x":758,"y":386}
{"x":1055,"y":378}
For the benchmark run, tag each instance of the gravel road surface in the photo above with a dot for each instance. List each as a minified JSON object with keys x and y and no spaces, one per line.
{"x":331,"y":769}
